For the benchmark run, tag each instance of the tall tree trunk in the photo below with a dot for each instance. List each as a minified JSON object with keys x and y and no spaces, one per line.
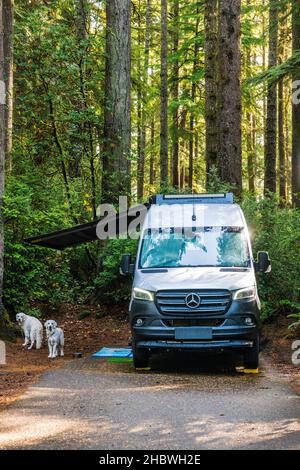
{"x":296,"y":113}
{"x":182,"y":173}
{"x":164,"y":96}
{"x":117,"y":116}
{"x":230,"y":153}
{"x":152,"y":154}
{"x":2,"y":156}
{"x":281,"y":142}
{"x":193,"y":97}
{"x":141,"y":161}
{"x":8,"y":16}
{"x":78,"y":140}
{"x":250,"y":154}
{"x":287,"y":147}
{"x":264,"y":61}
{"x":86,"y":128}
{"x":271,"y":122}
{"x":211,"y":79}
{"x":175,"y":95}
{"x":250,"y":129}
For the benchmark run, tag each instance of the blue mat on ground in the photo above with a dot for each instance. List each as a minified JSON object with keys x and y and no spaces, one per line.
{"x":114,"y":352}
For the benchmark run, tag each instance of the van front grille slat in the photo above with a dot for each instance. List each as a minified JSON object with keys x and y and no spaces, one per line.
{"x":211,"y":302}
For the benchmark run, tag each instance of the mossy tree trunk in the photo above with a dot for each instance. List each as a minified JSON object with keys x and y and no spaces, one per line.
{"x":229,"y":157}
{"x":164,"y":96}
{"x":2,"y":156}
{"x":272,"y":105}
{"x":296,"y":112}
{"x":117,"y":115}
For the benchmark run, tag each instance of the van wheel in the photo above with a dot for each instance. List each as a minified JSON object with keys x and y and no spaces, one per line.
{"x":251,"y":356}
{"x":141,"y":357}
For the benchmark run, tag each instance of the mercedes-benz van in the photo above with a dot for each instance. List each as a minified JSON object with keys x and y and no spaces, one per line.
{"x":194,"y":284}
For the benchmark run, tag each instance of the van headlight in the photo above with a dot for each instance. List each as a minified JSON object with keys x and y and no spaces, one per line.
{"x":142,"y":294}
{"x":249,"y":293}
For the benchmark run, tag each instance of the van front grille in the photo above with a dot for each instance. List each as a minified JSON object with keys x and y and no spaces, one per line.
{"x":176,"y":302}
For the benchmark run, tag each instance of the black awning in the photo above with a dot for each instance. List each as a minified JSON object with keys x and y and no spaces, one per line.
{"x":67,"y":237}
{"x":80,"y":234}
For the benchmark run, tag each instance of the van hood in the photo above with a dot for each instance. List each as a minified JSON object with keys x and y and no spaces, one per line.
{"x":195,"y":278}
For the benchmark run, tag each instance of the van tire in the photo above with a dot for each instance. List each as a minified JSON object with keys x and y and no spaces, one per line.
{"x":141,"y":356}
{"x":251,"y":356}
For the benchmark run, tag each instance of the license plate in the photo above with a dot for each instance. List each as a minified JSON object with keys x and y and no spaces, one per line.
{"x":193,"y":332}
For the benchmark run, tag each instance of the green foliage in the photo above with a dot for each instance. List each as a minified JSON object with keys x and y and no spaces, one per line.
{"x":294,"y":307}
{"x":34,"y":312}
{"x":215,"y":184}
{"x":84,"y":314}
{"x":276,"y":230}
{"x":113,"y":287}
{"x":274,"y":74}
{"x":33,"y":273}
{"x":100,"y":315}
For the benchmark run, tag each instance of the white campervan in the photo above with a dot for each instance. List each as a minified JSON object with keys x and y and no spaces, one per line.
{"x":194,"y":281}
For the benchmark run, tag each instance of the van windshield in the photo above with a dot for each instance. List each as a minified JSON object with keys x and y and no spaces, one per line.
{"x":194,"y":247}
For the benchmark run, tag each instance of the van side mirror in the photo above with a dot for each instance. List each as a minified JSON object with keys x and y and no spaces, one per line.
{"x":263,"y":263}
{"x":126,"y":266}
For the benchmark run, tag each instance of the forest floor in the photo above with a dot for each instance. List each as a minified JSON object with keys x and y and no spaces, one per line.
{"x":278,"y":341}
{"x":88,"y":335}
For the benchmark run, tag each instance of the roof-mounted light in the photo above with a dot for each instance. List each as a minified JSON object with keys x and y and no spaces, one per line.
{"x":215,"y":198}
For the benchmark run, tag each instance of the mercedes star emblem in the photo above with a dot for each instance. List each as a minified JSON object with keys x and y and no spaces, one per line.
{"x":193,"y":300}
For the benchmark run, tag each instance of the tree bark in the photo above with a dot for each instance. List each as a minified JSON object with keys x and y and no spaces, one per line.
{"x":250,"y":129}
{"x":152,"y":154}
{"x":175,"y":95}
{"x":230,"y":153}
{"x":2,"y":156}
{"x":8,"y":15}
{"x":86,"y":129}
{"x":78,"y":140}
{"x":211,"y":79}
{"x":140,"y":157}
{"x":193,"y":97}
{"x":144,"y":97}
{"x":164,"y":96}
{"x":296,"y":113}
{"x":182,"y":172}
{"x":272,"y":108}
{"x":250,"y":154}
{"x":281,"y":146}
{"x":117,"y":116}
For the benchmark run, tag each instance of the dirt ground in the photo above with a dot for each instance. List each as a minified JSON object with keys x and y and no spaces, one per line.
{"x":278,"y":341}
{"x":91,"y":333}
{"x":86,"y":336}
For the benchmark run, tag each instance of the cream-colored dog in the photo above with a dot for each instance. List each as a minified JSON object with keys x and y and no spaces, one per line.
{"x":32,"y":329}
{"x":56,"y":339}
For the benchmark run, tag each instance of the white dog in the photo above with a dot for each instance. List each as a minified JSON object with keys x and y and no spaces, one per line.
{"x":55,"y":337}
{"x":32,"y":329}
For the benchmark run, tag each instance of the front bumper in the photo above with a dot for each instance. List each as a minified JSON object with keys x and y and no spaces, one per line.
{"x":231,"y":331}
{"x":207,"y":345}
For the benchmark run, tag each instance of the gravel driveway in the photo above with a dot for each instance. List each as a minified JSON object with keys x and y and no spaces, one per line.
{"x":90,"y":404}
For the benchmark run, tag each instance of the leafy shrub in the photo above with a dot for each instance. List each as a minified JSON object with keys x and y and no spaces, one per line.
{"x":295,"y":307}
{"x":110,"y":285}
{"x":100,"y":315}
{"x":84,"y":314}
{"x":33,"y":273}
{"x":34,"y":312}
{"x":276,"y":230}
